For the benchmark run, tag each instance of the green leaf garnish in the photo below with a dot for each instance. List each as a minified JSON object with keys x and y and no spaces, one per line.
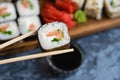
{"x":6,"y":15}
{"x":80,"y":16}
{"x":55,"y":40}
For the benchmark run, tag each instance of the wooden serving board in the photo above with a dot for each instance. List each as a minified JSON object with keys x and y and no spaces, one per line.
{"x":90,"y":27}
{"x":80,"y":30}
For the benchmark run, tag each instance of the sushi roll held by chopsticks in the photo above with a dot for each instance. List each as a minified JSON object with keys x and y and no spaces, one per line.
{"x":7,"y":12}
{"x":112,"y":8}
{"x":93,"y":8}
{"x":54,"y":36}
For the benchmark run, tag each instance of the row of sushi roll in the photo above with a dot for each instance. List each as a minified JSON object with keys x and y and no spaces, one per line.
{"x":28,"y":11}
{"x":10,"y":29}
{"x":94,"y":8}
{"x":24,"y":8}
{"x":28,"y":19}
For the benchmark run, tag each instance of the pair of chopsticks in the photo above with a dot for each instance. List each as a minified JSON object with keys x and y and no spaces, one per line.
{"x":5,"y":61}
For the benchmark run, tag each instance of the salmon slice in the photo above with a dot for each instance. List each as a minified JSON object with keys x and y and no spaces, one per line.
{"x":58,"y":34}
{"x":32,"y":27}
{"x":3,"y":10}
{"x":25,"y":3}
{"x":4,"y":28}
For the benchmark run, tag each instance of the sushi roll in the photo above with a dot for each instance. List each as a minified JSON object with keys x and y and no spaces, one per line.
{"x":53,"y":36}
{"x":28,"y":7}
{"x":112,"y":8}
{"x":93,"y":8}
{"x":7,"y":12}
{"x":8,"y":30}
{"x":27,"y":24}
{"x":79,"y":3}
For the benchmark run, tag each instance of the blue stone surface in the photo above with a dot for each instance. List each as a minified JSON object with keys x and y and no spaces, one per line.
{"x":101,"y":61}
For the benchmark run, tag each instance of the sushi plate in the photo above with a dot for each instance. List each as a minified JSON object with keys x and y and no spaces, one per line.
{"x":80,"y":30}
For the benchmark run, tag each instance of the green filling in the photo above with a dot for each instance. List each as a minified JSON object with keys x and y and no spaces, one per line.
{"x":80,"y":16}
{"x":6,"y":32}
{"x":58,"y":39}
{"x":113,"y":4}
{"x":29,"y":30}
{"x":31,"y":5}
{"x":6,"y":15}
{"x":62,"y":34}
{"x":55,"y":40}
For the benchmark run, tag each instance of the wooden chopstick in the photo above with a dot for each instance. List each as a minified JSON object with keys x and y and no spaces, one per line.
{"x":38,"y":55}
{"x":17,"y":39}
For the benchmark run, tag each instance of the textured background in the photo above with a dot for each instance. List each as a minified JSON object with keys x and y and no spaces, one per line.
{"x":102,"y":61}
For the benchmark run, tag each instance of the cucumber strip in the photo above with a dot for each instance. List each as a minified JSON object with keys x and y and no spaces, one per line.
{"x":6,"y":15}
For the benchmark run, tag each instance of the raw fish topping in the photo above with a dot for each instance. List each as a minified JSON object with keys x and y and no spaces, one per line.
{"x":3,"y":12}
{"x":4,"y":28}
{"x":59,"y":35}
{"x":31,"y":27}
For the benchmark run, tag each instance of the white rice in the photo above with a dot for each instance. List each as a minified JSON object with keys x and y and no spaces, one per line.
{"x":93,"y":8}
{"x":111,"y":11}
{"x":25,"y":22}
{"x":12,"y":27}
{"x":79,"y":3}
{"x":46,"y":42}
{"x":10,"y":10}
{"x":28,"y":11}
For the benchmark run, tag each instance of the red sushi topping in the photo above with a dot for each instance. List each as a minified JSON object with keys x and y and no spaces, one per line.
{"x":32,"y":27}
{"x":50,"y":14}
{"x":3,"y":11}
